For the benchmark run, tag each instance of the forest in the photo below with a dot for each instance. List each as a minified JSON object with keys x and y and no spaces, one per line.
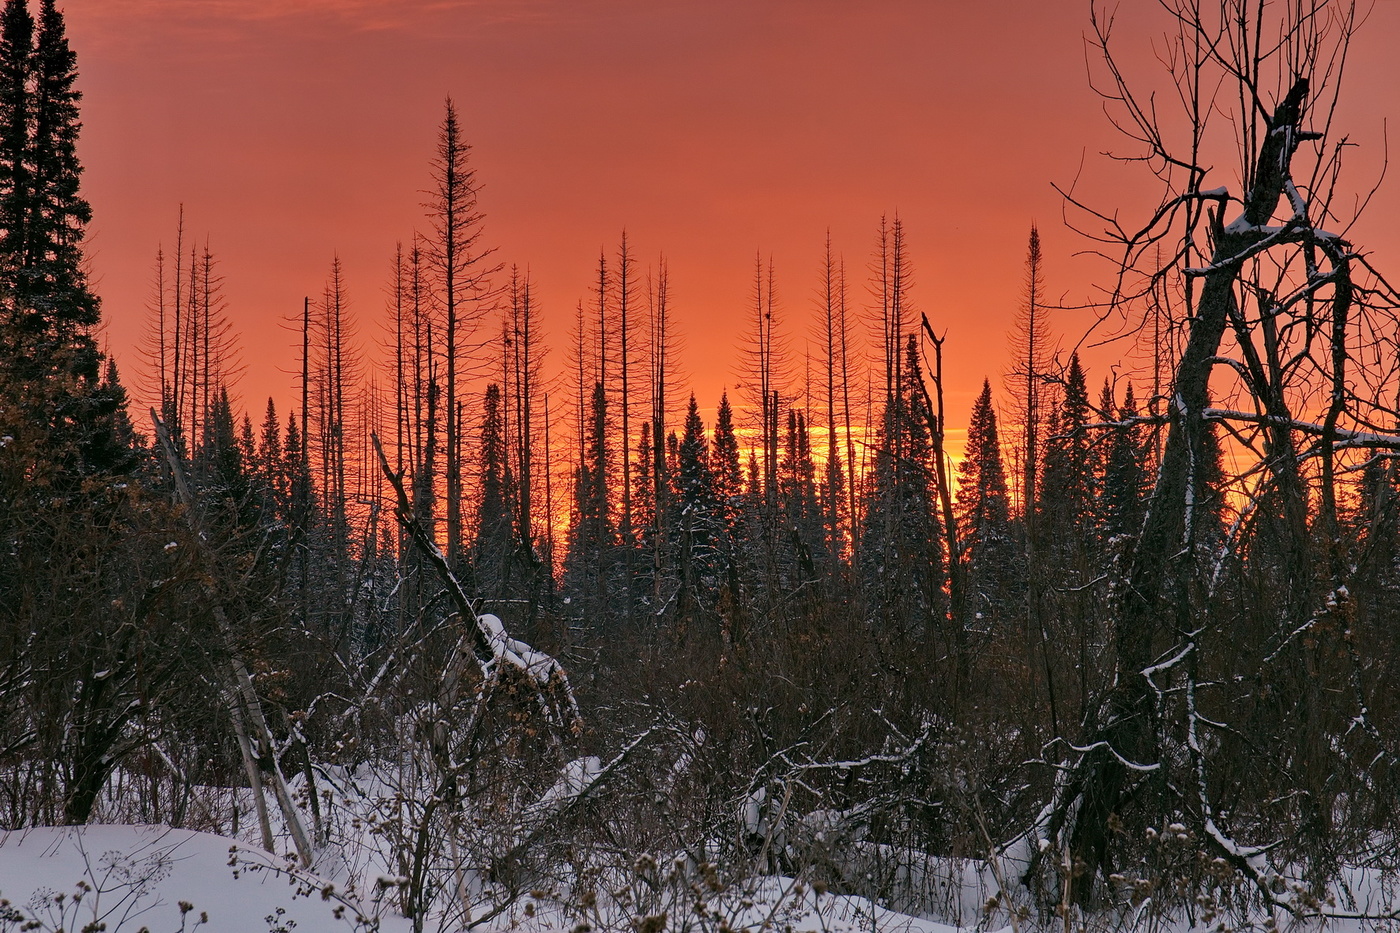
{"x":516,"y":635}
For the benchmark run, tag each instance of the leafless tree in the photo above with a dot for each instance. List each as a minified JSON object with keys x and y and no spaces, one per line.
{"x":1278,"y":308}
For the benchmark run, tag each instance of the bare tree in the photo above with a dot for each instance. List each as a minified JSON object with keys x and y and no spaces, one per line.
{"x":463,"y":273}
{"x":1278,"y":312}
{"x":1025,"y":382}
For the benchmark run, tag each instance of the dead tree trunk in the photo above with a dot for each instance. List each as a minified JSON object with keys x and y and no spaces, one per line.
{"x":1155,"y":597}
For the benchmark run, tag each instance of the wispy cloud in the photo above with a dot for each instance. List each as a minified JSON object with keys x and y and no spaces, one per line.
{"x":355,"y":14}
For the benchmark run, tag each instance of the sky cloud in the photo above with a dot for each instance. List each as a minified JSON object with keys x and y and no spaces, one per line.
{"x":358,"y":14}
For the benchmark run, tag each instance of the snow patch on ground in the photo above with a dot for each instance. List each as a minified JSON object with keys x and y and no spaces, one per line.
{"x":138,"y":876}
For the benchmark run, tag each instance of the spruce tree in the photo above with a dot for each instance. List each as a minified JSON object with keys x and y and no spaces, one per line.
{"x":729,"y":477}
{"x":901,"y":558}
{"x":494,"y":544}
{"x":221,"y":469}
{"x":797,"y":492}
{"x":1067,"y":485}
{"x":71,"y":405}
{"x":16,"y":110}
{"x":53,"y":232}
{"x":984,"y":511}
{"x":983,"y":499}
{"x":729,"y":489}
{"x":1122,"y":490}
{"x":269,"y":457}
{"x":592,"y":541}
{"x":695,"y":518}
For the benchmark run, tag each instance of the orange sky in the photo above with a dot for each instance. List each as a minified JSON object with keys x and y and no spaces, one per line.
{"x":294,"y":130}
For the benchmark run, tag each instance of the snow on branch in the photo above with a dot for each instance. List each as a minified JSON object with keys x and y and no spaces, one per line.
{"x":492,"y":646}
{"x":1343,"y":438}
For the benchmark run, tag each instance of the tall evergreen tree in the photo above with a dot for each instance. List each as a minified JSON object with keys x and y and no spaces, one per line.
{"x":1030,"y":345}
{"x":495,"y":534}
{"x":728,"y":477}
{"x":16,"y":114}
{"x":984,"y":510}
{"x":695,"y":518}
{"x":47,"y":311}
{"x":901,"y":558}
{"x":1066,"y":503}
{"x":797,"y":491}
{"x":58,"y":214}
{"x":592,"y":538}
{"x":1123,"y":489}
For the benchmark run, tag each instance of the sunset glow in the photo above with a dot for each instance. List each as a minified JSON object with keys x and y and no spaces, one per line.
{"x":711,"y":132}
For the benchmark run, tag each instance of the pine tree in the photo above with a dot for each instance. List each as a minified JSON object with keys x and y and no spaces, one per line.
{"x":901,"y":558}
{"x":695,"y":517}
{"x":1123,"y":487}
{"x":984,"y":511}
{"x":1066,"y":504}
{"x":16,"y":114}
{"x":494,"y":549}
{"x":58,"y":214}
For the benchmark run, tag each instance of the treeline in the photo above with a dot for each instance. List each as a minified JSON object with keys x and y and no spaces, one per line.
{"x":800,"y":640}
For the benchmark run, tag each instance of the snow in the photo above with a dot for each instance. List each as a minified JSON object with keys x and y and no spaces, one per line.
{"x":172,"y":879}
{"x":578,"y":777}
{"x":139,"y":875}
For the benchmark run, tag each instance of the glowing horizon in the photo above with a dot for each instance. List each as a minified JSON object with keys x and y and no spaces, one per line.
{"x":709,"y":131}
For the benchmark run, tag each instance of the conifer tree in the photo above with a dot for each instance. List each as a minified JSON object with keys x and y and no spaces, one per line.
{"x":982,"y":491}
{"x":695,"y":516}
{"x":494,"y":536}
{"x":220,"y":466}
{"x":1124,"y":484}
{"x":47,"y":311}
{"x":984,"y":510}
{"x":797,"y":489}
{"x":901,"y":558}
{"x":1030,"y":345}
{"x":729,"y":477}
{"x":644,"y":497}
{"x":58,"y":214}
{"x":832,"y":333}
{"x":1067,"y":488}
{"x":587,"y":565}
{"x":16,"y":114}
{"x":460,"y":260}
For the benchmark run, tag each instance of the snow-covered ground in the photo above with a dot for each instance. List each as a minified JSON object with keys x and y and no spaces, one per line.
{"x":169,"y":880}
{"x":162,"y":879}
{"x":129,"y":877}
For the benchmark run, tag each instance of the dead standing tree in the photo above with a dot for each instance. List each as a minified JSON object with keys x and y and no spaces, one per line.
{"x":1271,"y":306}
